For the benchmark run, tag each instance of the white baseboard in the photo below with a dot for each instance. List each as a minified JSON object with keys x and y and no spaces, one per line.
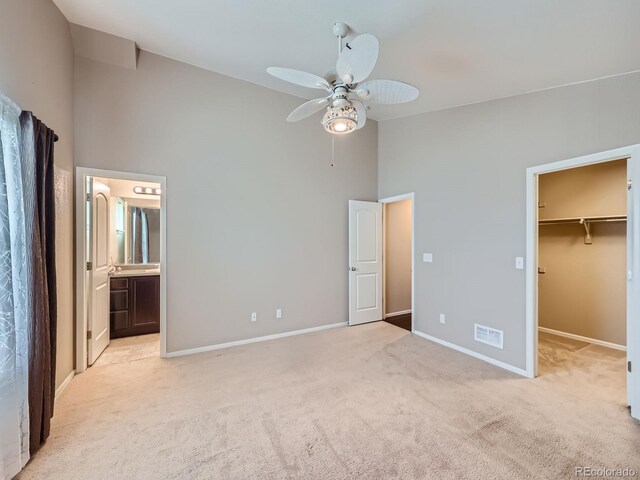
{"x":583,"y":339}
{"x":236,"y":343}
{"x":396,"y":314}
{"x":60,"y":390}
{"x":477,"y":355}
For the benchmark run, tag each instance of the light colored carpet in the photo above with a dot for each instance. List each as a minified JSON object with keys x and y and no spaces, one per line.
{"x":370,"y":402}
{"x":130,"y":349}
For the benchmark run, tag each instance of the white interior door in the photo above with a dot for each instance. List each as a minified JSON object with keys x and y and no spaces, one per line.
{"x":365,"y":262}
{"x":98,"y":330}
{"x":633,"y":285}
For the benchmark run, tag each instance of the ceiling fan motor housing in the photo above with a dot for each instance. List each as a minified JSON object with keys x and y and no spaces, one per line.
{"x":339,"y":97}
{"x":340,"y":29}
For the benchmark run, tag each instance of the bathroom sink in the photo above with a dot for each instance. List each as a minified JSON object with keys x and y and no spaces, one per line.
{"x":136,"y":272}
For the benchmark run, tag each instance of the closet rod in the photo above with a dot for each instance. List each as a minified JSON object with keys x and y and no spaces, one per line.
{"x":582,"y":220}
{"x":585,"y":222}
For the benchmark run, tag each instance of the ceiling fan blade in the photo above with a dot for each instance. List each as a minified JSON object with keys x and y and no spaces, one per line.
{"x":361,"y":110}
{"x":299,"y":78}
{"x":307,"y":109}
{"x":358,"y":58}
{"x":387,"y":91}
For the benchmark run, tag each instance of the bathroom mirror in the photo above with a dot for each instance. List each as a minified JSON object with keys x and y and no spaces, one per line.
{"x":144,"y":234}
{"x":137,"y":232}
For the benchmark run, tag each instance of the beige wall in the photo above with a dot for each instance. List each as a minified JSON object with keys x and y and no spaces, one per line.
{"x":103,"y":47}
{"x":467,"y":168}
{"x":593,"y":191}
{"x":36,"y":71}
{"x":256,"y":216}
{"x":397,"y":224}
{"x":584,"y":288}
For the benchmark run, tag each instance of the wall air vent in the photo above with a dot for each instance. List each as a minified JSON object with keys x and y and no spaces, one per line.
{"x":488,"y":335}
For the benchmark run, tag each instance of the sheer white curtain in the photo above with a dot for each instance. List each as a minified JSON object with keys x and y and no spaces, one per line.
{"x":14,"y":305}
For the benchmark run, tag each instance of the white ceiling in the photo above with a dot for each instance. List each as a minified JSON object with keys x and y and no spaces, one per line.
{"x":455,"y":51}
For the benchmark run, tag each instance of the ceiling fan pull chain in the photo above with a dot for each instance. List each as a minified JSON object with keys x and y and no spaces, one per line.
{"x":333,"y":151}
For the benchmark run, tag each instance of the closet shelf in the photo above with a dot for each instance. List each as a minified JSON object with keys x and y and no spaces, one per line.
{"x":586,"y":221}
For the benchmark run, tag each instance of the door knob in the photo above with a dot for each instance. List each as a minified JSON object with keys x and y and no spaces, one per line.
{"x":353,"y":269}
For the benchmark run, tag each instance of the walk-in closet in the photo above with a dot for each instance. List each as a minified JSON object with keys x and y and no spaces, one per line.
{"x":582,"y":247}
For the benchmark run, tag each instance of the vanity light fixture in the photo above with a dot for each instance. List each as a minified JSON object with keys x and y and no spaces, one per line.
{"x":147,"y":190}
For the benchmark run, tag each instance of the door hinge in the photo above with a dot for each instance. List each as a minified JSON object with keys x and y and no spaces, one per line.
{"x":629,"y":184}
{"x":629,"y":366}
{"x":88,"y":197}
{"x":89,"y":334}
{"x":89,"y":265}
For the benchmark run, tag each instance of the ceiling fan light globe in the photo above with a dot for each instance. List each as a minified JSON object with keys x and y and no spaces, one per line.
{"x":363,"y":92}
{"x":340,"y":120}
{"x":348,"y":78}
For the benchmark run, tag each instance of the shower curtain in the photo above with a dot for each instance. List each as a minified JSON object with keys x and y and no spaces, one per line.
{"x":15,"y":308}
{"x":140,"y":235}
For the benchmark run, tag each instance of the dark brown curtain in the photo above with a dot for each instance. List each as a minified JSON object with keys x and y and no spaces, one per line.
{"x":42,"y":341}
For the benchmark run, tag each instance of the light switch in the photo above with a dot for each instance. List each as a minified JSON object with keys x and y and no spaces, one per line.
{"x":519,"y":263}
{"x":427,"y":257}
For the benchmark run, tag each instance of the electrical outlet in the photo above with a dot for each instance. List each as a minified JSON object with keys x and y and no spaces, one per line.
{"x":442,"y":320}
{"x":519,"y":263}
{"x":254,"y":316}
{"x":279,"y":313}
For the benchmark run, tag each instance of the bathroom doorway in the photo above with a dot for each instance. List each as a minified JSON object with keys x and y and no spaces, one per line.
{"x":120,"y":267}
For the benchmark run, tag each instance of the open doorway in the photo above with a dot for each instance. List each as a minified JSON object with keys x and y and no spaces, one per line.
{"x":397,"y":262}
{"x":121,"y":267}
{"x":381,"y":257}
{"x":581,"y":262}
{"x":582,"y":248}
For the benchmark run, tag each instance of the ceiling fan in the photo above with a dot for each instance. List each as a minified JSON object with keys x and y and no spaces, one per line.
{"x":348,"y":99}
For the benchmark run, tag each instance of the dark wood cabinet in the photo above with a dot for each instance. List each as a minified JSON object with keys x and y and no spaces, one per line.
{"x":134,"y":305}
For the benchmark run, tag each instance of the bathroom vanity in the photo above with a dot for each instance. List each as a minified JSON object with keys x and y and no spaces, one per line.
{"x":134,"y":303}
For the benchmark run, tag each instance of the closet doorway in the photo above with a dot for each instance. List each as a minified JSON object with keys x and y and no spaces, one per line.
{"x":381,"y":281}
{"x":397,"y":240}
{"x":582,"y":297}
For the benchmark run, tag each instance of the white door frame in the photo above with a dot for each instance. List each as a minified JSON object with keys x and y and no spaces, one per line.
{"x":633,"y":305}
{"x":81,"y":173}
{"x":393,"y":199}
